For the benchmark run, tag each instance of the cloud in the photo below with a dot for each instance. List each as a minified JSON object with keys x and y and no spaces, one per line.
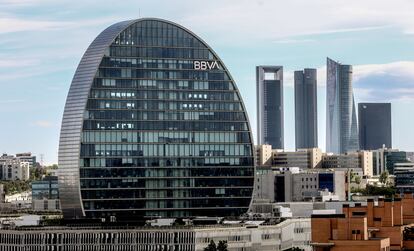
{"x":267,"y":19}
{"x":14,"y":24}
{"x":11,"y":101}
{"x":375,"y":82}
{"x":385,"y":82}
{"x":42,"y":124}
{"x":293,"y":41}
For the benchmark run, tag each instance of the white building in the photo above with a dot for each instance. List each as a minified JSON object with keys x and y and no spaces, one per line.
{"x":249,"y":236}
{"x":14,"y":169}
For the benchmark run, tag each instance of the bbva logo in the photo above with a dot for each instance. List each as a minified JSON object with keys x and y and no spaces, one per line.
{"x":205,"y":65}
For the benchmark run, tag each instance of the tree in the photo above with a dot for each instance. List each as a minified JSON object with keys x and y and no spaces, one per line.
{"x":211,"y":247}
{"x":384,"y":177}
{"x":357,"y":180}
{"x":222,"y":246}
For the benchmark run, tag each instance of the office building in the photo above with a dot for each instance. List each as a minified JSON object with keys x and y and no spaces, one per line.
{"x":254,"y":235}
{"x":361,"y":160}
{"x":306,"y":112}
{"x":385,"y":159}
{"x":154,"y":125}
{"x":302,"y":158}
{"x":341,"y":121}
{"x":404,"y":177}
{"x":45,"y":194}
{"x":269,"y":88}
{"x":374,"y":125}
{"x":27,"y":157}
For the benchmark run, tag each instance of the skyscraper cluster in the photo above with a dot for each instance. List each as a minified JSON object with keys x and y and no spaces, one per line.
{"x":342,"y":133}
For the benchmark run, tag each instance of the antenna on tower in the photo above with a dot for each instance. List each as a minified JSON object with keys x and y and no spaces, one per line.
{"x":42,"y":157}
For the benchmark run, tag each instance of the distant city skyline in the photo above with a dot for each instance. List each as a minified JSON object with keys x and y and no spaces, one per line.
{"x":41,"y":43}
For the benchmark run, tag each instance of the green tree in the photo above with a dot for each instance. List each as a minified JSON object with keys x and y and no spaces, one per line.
{"x":384,"y":177}
{"x":222,"y":246}
{"x":211,"y":247}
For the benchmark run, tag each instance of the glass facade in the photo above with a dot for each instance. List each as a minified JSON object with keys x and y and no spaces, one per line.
{"x":159,"y":136}
{"x":341,"y":121}
{"x":45,"y":189}
{"x":269,"y":96}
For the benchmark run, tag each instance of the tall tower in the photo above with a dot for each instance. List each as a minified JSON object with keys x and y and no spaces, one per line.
{"x":341,"y":123}
{"x":269,"y":90}
{"x":306,"y":117}
{"x":154,"y":125}
{"x":374,"y":125}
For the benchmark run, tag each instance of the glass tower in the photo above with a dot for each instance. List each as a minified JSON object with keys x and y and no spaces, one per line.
{"x":269,"y":91}
{"x":374,"y":125}
{"x":341,"y":123}
{"x":306,"y":117}
{"x":154,"y":125}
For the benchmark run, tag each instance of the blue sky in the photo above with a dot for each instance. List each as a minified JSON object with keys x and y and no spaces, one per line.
{"x":42,"y":41}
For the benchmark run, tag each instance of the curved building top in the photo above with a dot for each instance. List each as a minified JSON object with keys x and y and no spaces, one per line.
{"x":153,"y":125}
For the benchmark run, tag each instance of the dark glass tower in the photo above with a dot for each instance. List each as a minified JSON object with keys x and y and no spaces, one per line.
{"x":374,"y":125}
{"x":154,"y":125}
{"x":269,"y":90}
{"x":306,"y":117}
{"x":341,"y":123}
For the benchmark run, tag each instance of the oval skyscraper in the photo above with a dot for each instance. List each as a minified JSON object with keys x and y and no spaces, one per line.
{"x":154,"y":125}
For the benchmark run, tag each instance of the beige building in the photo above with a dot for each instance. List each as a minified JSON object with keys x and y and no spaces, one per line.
{"x":263,"y":155}
{"x":356,"y":160}
{"x":303,"y":158}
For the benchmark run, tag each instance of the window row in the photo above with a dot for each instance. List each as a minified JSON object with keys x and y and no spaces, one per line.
{"x":166,"y":162}
{"x":141,"y":204}
{"x":160,"y":74}
{"x":132,"y":50}
{"x":164,"y":172}
{"x":166,"y":194}
{"x":163,"y":95}
{"x":141,"y":115}
{"x":149,"y":63}
{"x":165,"y":183}
{"x":164,"y":150}
{"x":163,"y":84}
{"x":164,"y":105}
{"x":165,"y":137}
{"x":165,"y":35}
{"x":165,"y":125}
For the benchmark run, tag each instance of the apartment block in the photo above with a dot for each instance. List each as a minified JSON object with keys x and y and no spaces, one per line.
{"x":383,"y":226}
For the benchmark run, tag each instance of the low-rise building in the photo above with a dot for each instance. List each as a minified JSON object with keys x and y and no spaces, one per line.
{"x":366,"y":227}
{"x":385,"y":159}
{"x":239,"y":236}
{"x":404,"y":177}
{"x":302,"y":158}
{"x":45,"y":194}
{"x":14,"y":169}
{"x":294,"y":184}
{"x":355,"y":160}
